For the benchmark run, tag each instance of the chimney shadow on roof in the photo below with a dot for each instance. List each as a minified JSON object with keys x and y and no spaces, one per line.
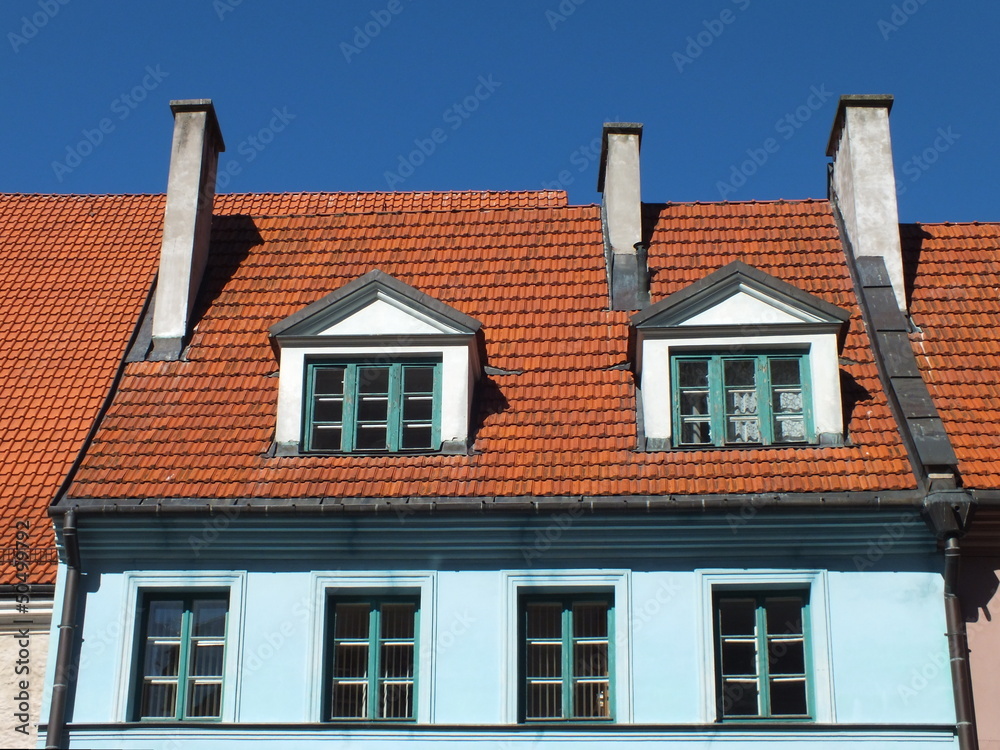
{"x":490,"y":400}
{"x":232,"y":238}
{"x":852,"y":393}
{"x":911,"y":241}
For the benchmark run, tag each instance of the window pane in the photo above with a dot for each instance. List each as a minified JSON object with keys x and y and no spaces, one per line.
{"x":328,"y":409}
{"x":373,"y":408}
{"x":418,"y":408}
{"x":590,"y":620}
{"x":737,"y":616}
{"x":209,"y":618}
{"x":373,"y":380}
{"x":325,"y":438}
{"x":370,"y":438}
{"x":165,"y":618}
{"x":350,"y":660}
{"x":544,"y":700}
{"x":790,"y":430}
{"x":694,"y":402}
{"x":696,"y":432}
{"x":350,"y":700}
{"x":398,"y":620}
{"x":784,"y":615}
{"x":590,"y":700}
{"x":207,"y":659}
{"x":739,"y":657}
{"x":162,"y":658}
{"x":417,"y":436}
{"x":418,"y":379}
{"x":692,"y":373}
{"x":787,"y":402}
{"x":741,"y":402}
{"x":743,"y":430}
{"x":205,"y":700}
{"x":351,"y":621}
{"x":397,"y":660}
{"x":544,"y":620}
{"x":788,"y":697}
{"x":397,"y":701}
{"x":590,"y":659}
{"x":786,"y":656}
{"x":328,"y":381}
{"x":159,"y":700}
{"x":739,"y":698}
{"x":785,"y":372}
{"x":544,"y":660}
{"x":740,"y":372}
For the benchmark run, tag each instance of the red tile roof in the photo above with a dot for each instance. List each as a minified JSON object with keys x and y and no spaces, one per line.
{"x":563,"y":426}
{"x":74,"y":272}
{"x":955,"y":272}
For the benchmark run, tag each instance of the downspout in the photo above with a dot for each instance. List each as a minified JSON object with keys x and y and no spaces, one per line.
{"x":958,"y":649}
{"x":67,"y":626}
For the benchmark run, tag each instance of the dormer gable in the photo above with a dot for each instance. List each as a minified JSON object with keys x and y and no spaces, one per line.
{"x":739,"y":292}
{"x":375,"y":367}
{"x":739,"y":359}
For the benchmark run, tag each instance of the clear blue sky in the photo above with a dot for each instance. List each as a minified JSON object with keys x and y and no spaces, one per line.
{"x":515,"y":93}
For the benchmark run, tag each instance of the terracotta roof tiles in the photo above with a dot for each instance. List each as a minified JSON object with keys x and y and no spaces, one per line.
{"x":561,"y":424}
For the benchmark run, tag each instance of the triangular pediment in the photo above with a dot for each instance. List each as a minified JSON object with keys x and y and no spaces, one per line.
{"x":376,"y":304}
{"x":739,"y":295}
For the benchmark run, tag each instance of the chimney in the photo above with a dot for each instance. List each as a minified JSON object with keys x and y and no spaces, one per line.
{"x":863,"y":183}
{"x":621,"y":216}
{"x":187,"y":223}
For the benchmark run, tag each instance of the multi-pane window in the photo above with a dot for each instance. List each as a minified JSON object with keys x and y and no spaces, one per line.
{"x":372,"y":407}
{"x":182,"y":656}
{"x":744,"y":399}
{"x":372,"y":659}
{"x":762,"y":655}
{"x":568,"y":658}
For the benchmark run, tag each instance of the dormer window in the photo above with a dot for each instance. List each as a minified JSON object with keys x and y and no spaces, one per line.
{"x":739,"y":359}
{"x":376,"y":367}
{"x":372,"y":406}
{"x":744,"y":399}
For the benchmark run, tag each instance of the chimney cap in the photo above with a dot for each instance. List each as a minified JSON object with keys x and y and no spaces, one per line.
{"x":854,"y":100}
{"x":627,"y":128}
{"x":201,"y":105}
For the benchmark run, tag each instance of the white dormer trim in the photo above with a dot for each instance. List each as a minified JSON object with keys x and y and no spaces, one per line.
{"x":738,"y":310}
{"x":378,"y":318}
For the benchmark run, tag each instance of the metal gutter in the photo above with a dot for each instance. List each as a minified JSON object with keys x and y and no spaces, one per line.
{"x":67,"y":625}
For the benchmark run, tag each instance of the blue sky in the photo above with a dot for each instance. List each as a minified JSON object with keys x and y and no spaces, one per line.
{"x":422,"y":95}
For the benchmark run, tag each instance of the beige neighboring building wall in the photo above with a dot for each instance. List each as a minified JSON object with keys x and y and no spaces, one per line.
{"x":22,"y":669}
{"x":981,"y":601}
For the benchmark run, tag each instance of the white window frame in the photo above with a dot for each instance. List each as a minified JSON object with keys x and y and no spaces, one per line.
{"x":765,"y":580}
{"x":142,"y":583}
{"x":616,"y":583}
{"x":421,"y":584}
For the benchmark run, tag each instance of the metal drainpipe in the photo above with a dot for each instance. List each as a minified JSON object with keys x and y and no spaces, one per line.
{"x":67,"y":625}
{"x":958,"y":650}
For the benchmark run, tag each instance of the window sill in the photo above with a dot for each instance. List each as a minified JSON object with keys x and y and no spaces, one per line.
{"x":286,"y":450}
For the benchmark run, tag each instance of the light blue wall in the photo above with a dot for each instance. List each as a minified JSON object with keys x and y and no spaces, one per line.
{"x":884,"y":642}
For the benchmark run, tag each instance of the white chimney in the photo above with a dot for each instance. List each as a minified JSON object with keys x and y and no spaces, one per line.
{"x":621,"y":215}
{"x":187,"y":223}
{"x":863,"y":183}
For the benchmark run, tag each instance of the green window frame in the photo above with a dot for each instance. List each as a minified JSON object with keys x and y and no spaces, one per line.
{"x":747,"y":399}
{"x":763,"y":661}
{"x":568,"y":659}
{"x":372,"y":659}
{"x":180,"y":670}
{"x":372,"y":406}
